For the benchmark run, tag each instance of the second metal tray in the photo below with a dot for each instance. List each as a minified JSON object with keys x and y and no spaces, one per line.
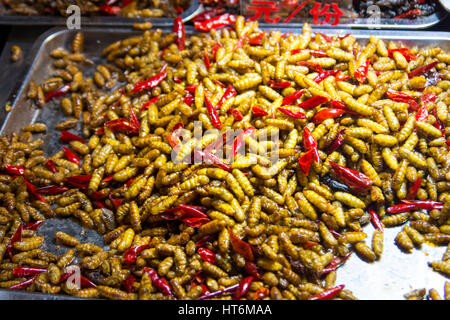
{"x":390,"y":278}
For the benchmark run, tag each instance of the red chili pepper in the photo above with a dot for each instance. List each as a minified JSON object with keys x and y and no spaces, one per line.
{"x":208,"y":14}
{"x":240,"y":42}
{"x":33,"y":225}
{"x":129,"y":282}
{"x":257,"y":40}
{"x":229,"y":93}
{"x":279,"y":85}
{"x":180,"y":33}
{"x":293,"y":114}
{"x":425,"y":204}
{"x":327,"y":294}
{"x":148,"y":103}
{"x":421,"y":70}
{"x":115,"y":202}
{"x":243,"y":288}
{"x":310,"y":143}
{"x":341,"y":77}
{"x":84,"y":282}
{"x":122,"y":125}
{"x":327,"y":114}
{"x":67,"y":136}
{"x":411,"y":14}
{"x":133,"y":118}
{"x":15,"y":238}
{"x":71,"y":156}
{"x":398,"y":96}
{"x":52,"y":190}
{"x":438,"y":123}
{"x":215,"y":120}
{"x":292,"y":98}
{"x":57,"y":93}
{"x":237,"y":115}
{"x":214,"y":50}
{"x":344,"y":36}
{"x":313,"y":102}
{"x":356,"y":180}
{"x":215,"y":23}
{"x":325,"y":74}
{"x":405,"y":52}
{"x":209,"y":238}
{"x":252,"y":269}
{"x":400,"y":208}
{"x":130,"y":256}
{"x":207,"y":255}
{"x":312,"y":66}
{"x":429,"y":97}
{"x":110,"y":10}
{"x":99,"y":131}
{"x":318,"y":53}
{"x":191,"y":88}
{"x":335,"y":263}
{"x":22,"y":272}
{"x":361,"y":72}
{"x":15,"y":170}
{"x":305,"y":160}
{"x":160,"y":283}
{"x":79,"y":181}
{"x":258,"y":112}
{"x":414,"y":188}
{"x":337,"y":142}
{"x":260,"y":293}
{"x":151,"y":82}
{"x":23,"y":284}
{"x":327,"y":38}
{"x":190,"y":215}
{"x":206,"y":59}
{"x":239,"y":142}
{"x":51,"y":166}
{"x":375,"y":219}
{"x":422,"y":113}
{"x":240,"y":246}
{"x":32,"y":190}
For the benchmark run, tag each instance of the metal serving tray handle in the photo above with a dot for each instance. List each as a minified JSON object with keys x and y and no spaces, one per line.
{"x":7,"y":19}
{"x":390,"y":278}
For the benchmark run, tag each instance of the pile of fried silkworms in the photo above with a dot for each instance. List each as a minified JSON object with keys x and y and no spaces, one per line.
{"x":306,"y":138}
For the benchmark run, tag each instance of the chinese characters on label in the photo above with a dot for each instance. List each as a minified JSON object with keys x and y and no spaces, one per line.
{"x":286,"y":10}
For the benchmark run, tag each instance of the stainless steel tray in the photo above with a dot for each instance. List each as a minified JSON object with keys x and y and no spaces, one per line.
{"x":12,"y":19}
{"x":390,"y":278}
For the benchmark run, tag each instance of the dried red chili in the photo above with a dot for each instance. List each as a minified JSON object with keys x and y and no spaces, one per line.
{"x":57,"y":93}
{"x":180,"y":33}
{"x":292,"y":98}
{"x":421,"y":70}
{"x":327,"y":114}
{"x":23,"y":284}
{"x":240,"y":246}
{"x":356,"y":180}
{"x":279,"y":85}
{"x":405,"y":52}
{"x":129,"y":282}
{"x":21,"y":272}
{"x":67,"y":136}
{"x":361,"y":72}
{"x":208,"y":14}
{"x":412,"y":192}
{"x":325,"y":74}
{"x":258,"y":112}
{"x":257,"y":40}
{"x":293,"y":114}
{"x":71,"y":156}
{"x":215,"y":23}
{"x":304,"y":161}
{"x":214,"y":116}
{"x":375,"y":219}
{"x":337,"y":142}
{"x":14,"y":170}
{"x":33,"y":225}
{"x":207,"y":255}
{"x":243,"y":288}
{"x":151,"y":82}
{"x":327,"y":294}
{"x":411,"y":14}
{"x":229,"y":93}
{"x":312,"y":66}
{"x":237,"y":115}
{"x":130,"y":256}
{"x":313,"y":102}
{"x":52,"y":190}
{"x":159,"y":282}
{"x":17,"y":236}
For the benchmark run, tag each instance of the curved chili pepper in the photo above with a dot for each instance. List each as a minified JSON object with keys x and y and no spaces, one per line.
{"x":325,"y":74}
{"x":240,"y":42}
{"x":32,"y":190}
{"x":133,"y":118}
{"x":318,"y":53}
{"x":258,"y":112}
{"x":327,"y":294}
{"x":313,"y":102}
{"x":310,"y":143}
{"x":122,"y":125}
{"x":33,"y":225}
{"x":400,"y":208}
{"x":252,"y":269}
{"x":375,"y":219}
{"x":293,"y":114}
{"x":429,"y":97}
{"x":152,"y":82}
{"x":129,"y":282}
{"x":71,"y":156}
{"x":208,"y":14}
{"x":309,"y":244}
{"x":229,"y":93}
{"x":312,"y":66}
{"x":207,"y":255}
{"x":148,"y":103}
{"x":180,"y":33}
{"x":130,"y":256}
{"x":398,"y":96}
{"x":240,"y":246}
{"x":206,"y":59}
{"x":15,"y":238}
{"x":67,"y":136}
{"x":22,"y":272}
{"x":52,"y":190}
{"x":335,"y":263}
{"x":279,"y":85}
{"x":438,"y":123}
{"x":421,"y":70}
{"x":337,"y":142}
{"x":257,"y":40}
{"x":84,"y":282}
{"x":57,"y":93}
{"x":344,"y":36}
{"x":214,"y":50}
{"x":243,"y":288}
{"x":305,"y":160}
{"x":237,"y":115}
{"x":239,"y":141}
{"x":160,"y":283}
{"x":51,"y":166}
{"x":405,"y":52}
{"x":213,"y":158}
{"x":341,"y":77}
{"x":411,"y":14}
{"x":23,"y":284}
{"x":422,"y":113}
{"x":215,"y":120}
{"x":219,"y":292}
{"x":327,"y":114}
{"x":79,"y":181}
{"x":191,"y":88}
{"x":425,"y":204}
{"x":15,"y":170}
{"x":414,"y":188}
{"x":215,"y":23}
{"x":209,"y":238}
{"x":115,"y":202}
{"x":292,"y":98}
{"x":356,"y":180}
{"x":361,"y":72}
{"x":327,"y":38}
